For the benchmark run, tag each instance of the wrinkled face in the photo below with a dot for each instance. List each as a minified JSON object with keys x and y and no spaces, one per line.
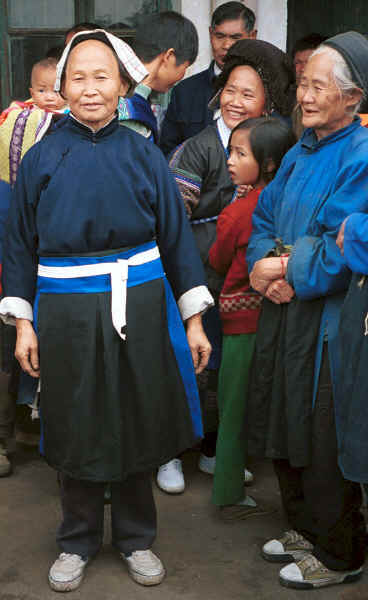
{"x":42,"y":90}
{"x":243,"y":167}
{"x":93,"y":84}
{"x":300,"y":62}
{"x":323,"y":105}
{"x":243,"y":96}
{"x":223,"y":36}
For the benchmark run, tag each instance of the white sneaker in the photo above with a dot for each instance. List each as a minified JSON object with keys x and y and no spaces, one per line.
{"x":207,"y":464}
{"x":248,"y":476}
{"x":170,"y":477}
{"x":67,"y":572}
{"x":145,"y":567}
{"x":309,"y":573}
{"x":291,"y":547}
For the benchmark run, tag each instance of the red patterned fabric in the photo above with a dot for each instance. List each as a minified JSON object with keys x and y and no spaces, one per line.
{"x":239,"y":306}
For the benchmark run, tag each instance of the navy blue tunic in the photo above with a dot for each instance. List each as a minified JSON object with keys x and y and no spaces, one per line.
{"x":109,"y":408}
{"x":79,"y":191}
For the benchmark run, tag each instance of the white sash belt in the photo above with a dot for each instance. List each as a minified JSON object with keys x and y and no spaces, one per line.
{"x":118,"y":272}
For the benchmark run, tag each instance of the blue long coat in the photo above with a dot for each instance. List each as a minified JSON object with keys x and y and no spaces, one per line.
{"x":353,"y":387}
{"x":318,"y":184}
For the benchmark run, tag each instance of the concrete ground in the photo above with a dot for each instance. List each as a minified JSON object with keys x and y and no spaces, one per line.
{"x":205,"y":558}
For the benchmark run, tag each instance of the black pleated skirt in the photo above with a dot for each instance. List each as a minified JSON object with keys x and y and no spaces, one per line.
{"x":110,"y":407}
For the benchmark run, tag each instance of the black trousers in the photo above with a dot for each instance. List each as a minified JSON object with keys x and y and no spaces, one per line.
{"x":319,"y":503}
{"x":7,"y":416}
{"x":133,"y":515}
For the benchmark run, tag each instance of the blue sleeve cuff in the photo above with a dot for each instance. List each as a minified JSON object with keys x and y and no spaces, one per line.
{"x":258,"y":251}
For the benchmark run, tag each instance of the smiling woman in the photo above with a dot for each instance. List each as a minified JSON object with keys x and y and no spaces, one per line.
{"x":327,"y":95}
{"x":243,"y":96}
{"x":95,"y":226}
{"x":256,"y":80}
{"x":92,"y":88}
{"x":296,"y":414}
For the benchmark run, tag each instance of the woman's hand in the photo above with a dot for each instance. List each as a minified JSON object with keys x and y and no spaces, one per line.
{"x":267,"y":270}
{"x":26,"y":348}
{"x":280,"y":292}
{"x":340,"y":237}
{"x":198,"y":343}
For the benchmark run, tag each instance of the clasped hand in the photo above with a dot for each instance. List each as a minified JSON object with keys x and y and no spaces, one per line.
{"x":268,"y":278}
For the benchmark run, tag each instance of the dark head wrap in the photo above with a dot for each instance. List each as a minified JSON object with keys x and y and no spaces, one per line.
{"x":272,"y":65}
{"x":353,"y":47}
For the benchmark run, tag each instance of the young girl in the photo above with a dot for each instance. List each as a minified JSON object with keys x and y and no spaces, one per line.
{"x":256,"y":148}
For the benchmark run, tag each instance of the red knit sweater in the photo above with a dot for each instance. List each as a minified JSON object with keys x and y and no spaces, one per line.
{"x":239,"y":307}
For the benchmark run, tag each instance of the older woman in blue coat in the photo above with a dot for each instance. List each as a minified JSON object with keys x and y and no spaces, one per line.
{"x":293,"y":413}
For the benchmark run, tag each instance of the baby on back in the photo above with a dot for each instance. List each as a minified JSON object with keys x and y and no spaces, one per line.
{"x":25,"y":122}
{"x":42,"y":86}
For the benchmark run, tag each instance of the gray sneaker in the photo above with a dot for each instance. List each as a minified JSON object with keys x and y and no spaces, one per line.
{"x":66,"y":574}
{"x":289,"y":548}
{"x":5,"y":464}
{"x":310,"y":573}
{"x":145,"y":567}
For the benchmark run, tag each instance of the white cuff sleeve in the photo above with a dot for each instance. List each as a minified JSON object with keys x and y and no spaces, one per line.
{"x":194,"y":301}
{"x":12,"y":308}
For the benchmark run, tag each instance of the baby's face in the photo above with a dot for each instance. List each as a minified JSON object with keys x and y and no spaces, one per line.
{"x":42,"y":90}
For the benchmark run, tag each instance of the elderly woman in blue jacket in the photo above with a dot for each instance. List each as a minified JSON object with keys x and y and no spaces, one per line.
{"x":294,"y":415}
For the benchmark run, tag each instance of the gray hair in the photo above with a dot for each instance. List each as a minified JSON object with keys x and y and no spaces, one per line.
{"x":341,"y":74}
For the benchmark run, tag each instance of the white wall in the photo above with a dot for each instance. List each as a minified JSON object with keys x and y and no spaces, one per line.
{"x":272,"y":22}
{"x":199,"y":11}
{"x":250,"y":3}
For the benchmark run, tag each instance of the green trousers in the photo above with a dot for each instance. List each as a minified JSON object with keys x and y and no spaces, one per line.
{"x":228,"y":484}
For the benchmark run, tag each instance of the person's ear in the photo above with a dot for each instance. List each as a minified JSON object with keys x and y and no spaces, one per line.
{"x":253,"y":34}
{"x":62,"y":89}
{"x":124,"y":87}
{"x":269,"y":166}
{"x":31,"y":91}
{"x":355,"y":97}
{"x":169,"y":56}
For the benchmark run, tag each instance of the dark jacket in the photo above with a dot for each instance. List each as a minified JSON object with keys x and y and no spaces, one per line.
{"x":201,"y":173}
{"x":188,"y":111}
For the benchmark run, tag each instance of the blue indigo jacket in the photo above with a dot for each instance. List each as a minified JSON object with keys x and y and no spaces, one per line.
{"x":319,"y":183}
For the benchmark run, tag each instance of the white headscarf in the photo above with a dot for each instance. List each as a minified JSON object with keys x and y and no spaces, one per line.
{"x":125,"y":54}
